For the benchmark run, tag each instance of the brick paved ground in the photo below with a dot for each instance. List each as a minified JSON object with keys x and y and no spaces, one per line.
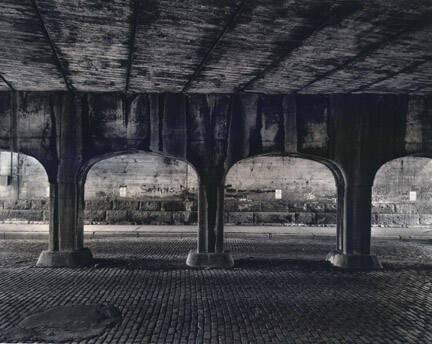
{"x":281,"y":291}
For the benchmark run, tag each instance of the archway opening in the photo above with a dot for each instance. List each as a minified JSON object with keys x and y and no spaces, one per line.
{"x":24,"y":190}
{"x":284,"y":191}
{"x":402,"y":194}
{"x":141,"y":189}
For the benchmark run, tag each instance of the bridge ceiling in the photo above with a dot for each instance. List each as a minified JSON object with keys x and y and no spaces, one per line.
{"x":217,"y":46}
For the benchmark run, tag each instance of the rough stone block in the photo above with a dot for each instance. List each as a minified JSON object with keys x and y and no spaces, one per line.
{"x":330,"y":207}
{"x":173,"y":206}
{"x":316,"y":207}
{"x":21,"y":215}
{"x":184,"y":217}
{"x":191,"y":205}
{"x":326,"y":218}
{"x":274,"y":218}
{"x":120,"y":204}
{"x":191,"y":217}
{"x":398,"y":219}
{"x":383,"y":208}
{"x":150,"y":217}
{"x":226,"y":216}
{"x":426,"y":219}
{"x":248,"y":205}
{"x":95,"y":215}
{"x":424,"y":207}
{"x":178,"y":217}
{"x":239,"y":218}
{"x":117,"y":216}
{"x":161,"y":217}
{"x":139,"y":217}
{"x":99,"y":204}
{"x":298,"y":206}
{"x":45,"y":215}
{"x":20,"y":204}
{"x":305,"y":218}
{"x":273,"y":206}
{"x":406,"y":208}
{"x":150,"y":205}
{"x":40,"y":204}
{"x":231,"y":205}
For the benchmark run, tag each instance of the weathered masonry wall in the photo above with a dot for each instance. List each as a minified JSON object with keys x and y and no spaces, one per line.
{"x":151,"y":189}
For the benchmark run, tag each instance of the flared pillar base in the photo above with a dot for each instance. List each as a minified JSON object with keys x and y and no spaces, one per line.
{"x":81,"y":257}
{"x":354,"y":261}
{"x":209,"y":260}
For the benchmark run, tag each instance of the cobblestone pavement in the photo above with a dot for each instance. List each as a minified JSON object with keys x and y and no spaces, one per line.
{"x":281,"y":291}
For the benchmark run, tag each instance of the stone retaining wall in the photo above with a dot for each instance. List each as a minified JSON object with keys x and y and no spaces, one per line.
{"x":239,"y":212}
{"x":150,"y":189}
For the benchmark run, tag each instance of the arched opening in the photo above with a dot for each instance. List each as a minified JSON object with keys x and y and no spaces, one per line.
{"x":280,"y":190}
{"x":141,"y":189}
{"x":24,"y":189}
{"x":402,"y":193}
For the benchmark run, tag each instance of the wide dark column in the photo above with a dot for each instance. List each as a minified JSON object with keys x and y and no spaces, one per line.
{"x":354,"y":240}
{"x":66,"y":191}
{"x":210,"y":250}
{"x":66,"y":228}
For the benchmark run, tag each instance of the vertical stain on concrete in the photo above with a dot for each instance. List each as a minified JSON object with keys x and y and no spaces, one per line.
{"x":174,"y":131}
{"x":312,"y":131}
{"x":416,"y":119}
{"x":289,"y":108}
{"x":138,"y":128}
{"x":272,"y":128}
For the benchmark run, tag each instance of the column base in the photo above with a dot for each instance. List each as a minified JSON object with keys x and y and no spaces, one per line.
{"x":354,"y":261}
{"x":209,"y":260}
{"x":81,"y":257}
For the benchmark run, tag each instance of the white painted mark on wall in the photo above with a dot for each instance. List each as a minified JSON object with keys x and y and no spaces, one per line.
{"x":278,"y":194}
{"x":123,"y":191}
{"x":413,"y":196}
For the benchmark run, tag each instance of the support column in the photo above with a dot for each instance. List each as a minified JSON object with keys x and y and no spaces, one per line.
{"x":66,"y":228}
{"x":66,"y":189}
{"x":210,"y":251}
{"x":355,"y":238}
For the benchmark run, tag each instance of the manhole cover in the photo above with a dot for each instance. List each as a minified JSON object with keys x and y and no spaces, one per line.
{"x":75,"y":322}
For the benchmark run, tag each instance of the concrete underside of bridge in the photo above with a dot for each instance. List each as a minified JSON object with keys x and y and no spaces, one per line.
{"x":344,"y":83}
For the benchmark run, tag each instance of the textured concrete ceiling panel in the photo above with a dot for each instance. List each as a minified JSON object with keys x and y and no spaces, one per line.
{"x":406,"y":54}
{"x":217,"y":46}
{"x":26,"y":59}
{"x":92,"y":38}
{"x":4,"y":86}
{"x":418,"y":80}
{"x":172,"y":38}
{"x":337,"y":48}
{"x":266,"y":33}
